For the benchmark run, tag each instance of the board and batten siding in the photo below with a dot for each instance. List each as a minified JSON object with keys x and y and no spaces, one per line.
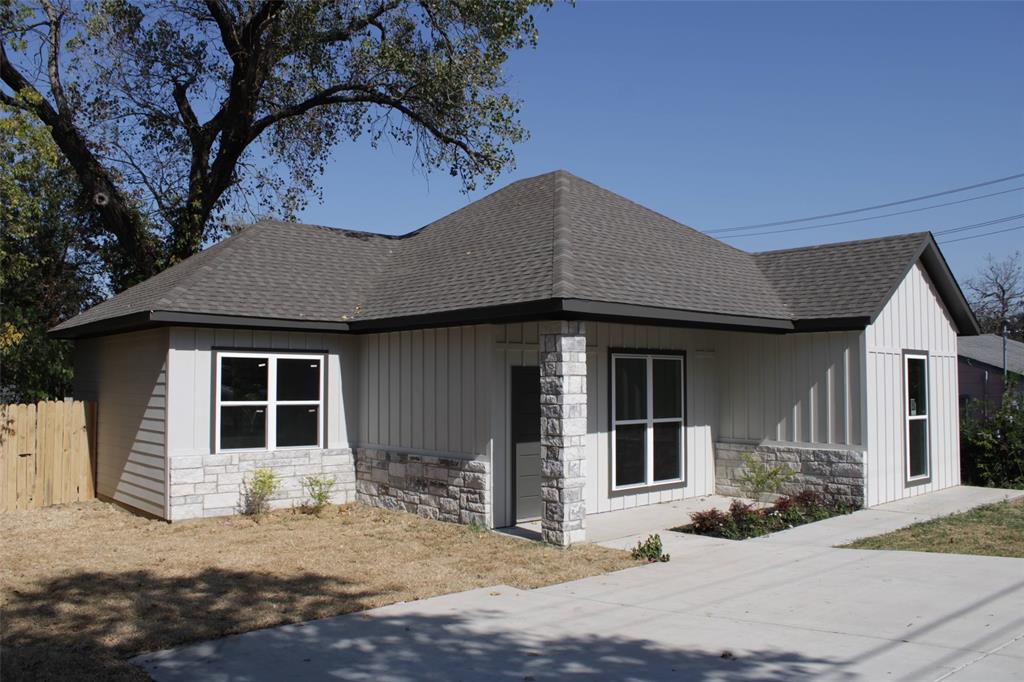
{"x":126,"y":375}
{"x":191,"y":377}
{"x":517,"y":345}
{"x":913,"y":319}
{"x":791,"y":388}
{"x":427,"y":391}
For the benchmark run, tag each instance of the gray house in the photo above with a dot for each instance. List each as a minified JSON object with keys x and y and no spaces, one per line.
{"x":981,"y":370}
{"x":550,"y":351}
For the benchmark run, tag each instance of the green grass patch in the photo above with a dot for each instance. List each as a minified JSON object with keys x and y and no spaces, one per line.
{"x":992,"y":530}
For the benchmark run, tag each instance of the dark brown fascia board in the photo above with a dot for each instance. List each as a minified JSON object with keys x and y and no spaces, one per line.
{"x":949,"y":289}
{"x":832,"y":324}
{"x":626,"y":312}
{"x":158,"y":318}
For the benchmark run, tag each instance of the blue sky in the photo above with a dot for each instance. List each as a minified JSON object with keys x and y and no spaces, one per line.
{"x":728,"y":114}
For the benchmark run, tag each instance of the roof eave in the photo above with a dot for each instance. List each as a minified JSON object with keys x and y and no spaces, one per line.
{"x":160,"y":318}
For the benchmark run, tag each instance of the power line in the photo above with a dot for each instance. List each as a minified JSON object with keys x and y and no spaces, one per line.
{"x":869,"y":208}
{"x":964,"y":228}
{"x":984,"y":234}
{"x":874,"y":217}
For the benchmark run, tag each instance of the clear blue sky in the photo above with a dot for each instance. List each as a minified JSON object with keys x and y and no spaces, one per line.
{"x":733,"y":113}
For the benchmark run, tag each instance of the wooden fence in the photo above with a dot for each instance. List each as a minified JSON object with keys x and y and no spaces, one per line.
{"x":47,"y":454}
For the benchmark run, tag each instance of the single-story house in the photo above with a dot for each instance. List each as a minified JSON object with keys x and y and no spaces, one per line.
{"x":981,"y":369}
{"x":550,"y":351}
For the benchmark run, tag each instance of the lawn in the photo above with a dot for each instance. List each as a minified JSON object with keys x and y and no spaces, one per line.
{"x":992,"y":530}
{"x":84,"y":586}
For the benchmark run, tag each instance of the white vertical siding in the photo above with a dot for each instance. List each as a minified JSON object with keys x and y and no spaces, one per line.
{"x":191,"y":377}
{"x":126,"y":374}
{"x":799,"y":388}
{"x":428,"y":390}
{"x":913,"y":319}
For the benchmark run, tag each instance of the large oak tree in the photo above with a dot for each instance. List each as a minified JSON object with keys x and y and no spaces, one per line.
{"x":177,"y":115}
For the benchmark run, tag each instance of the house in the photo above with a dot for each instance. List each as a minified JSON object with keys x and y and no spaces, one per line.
{"x":550,"y":351}
{"x":981,"y":369}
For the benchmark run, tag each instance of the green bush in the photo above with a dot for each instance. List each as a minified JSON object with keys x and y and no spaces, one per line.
{"x":318,"y":489}
{"x":257,"y":491}
{"x":992,"y":448}
{"x":758,"y":478}
{"x":650,"y":550}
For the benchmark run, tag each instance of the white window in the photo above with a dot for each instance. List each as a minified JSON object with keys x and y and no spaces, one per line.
{"x":915,"y":406}
{"x":648,"y":398}
{"x":268,"y":401}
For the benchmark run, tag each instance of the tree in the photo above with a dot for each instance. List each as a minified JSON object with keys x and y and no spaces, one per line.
{"x":997,"y":295}
{"x":176,"y":114}
{"x":49,"y":263}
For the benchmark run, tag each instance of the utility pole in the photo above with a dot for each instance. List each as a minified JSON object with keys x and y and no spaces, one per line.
{"x":1006,"y":330}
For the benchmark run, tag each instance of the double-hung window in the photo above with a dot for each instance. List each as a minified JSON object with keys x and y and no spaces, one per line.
{"x":915,"y":406}
{"x":268,"y":401}
{"x":648,"y":398}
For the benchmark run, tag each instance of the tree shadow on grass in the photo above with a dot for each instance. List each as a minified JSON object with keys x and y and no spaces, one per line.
{"x":84,"y":626}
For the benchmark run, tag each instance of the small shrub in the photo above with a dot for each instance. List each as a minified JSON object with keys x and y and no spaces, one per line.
{"x":992,"y":446}
{"x":650,"y":550}
{"x":709,"y":522}
{"x":257,"y":491}
{"x":759,"y":478}
{"x":745,"y":521}
{"x":318,"y":489}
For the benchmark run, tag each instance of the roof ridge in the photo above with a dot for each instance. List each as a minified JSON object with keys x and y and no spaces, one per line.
{"x":848,"y":242}
{"x":561,"y":237}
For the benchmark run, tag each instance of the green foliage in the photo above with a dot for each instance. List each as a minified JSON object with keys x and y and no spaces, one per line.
{"x":178,"y":115}
{"x":758,"y":478}
{"x":745,"y":521}
{"x":49,"y":261}
{"x":318,"y":489}
{"x":650,"y":550}
{"x":257,"y":491}
{"x":992,"y":447}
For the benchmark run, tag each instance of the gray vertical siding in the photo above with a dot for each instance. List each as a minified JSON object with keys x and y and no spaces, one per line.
{"x":126,"y":374}
{"x":913,"y":319}
{"x":427,"y":390}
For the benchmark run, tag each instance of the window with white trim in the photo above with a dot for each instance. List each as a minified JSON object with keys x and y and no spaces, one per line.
{"x":915,"y":405}
{"x":268,"y":401}
{"x":648,"y":395}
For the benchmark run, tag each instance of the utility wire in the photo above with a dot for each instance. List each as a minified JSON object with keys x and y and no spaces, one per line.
{"x":869,"y":208}
{"x":964,"y":228}
{"x":983,"y":234}
{"x":874,"y":217}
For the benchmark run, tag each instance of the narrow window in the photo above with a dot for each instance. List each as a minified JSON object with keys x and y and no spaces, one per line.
{"x":647,"y":420}
{"x":916,"y":408}
{"x":269,"y":401}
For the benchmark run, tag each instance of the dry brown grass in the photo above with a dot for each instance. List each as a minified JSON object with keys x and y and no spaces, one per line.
{"x":85,"y":586}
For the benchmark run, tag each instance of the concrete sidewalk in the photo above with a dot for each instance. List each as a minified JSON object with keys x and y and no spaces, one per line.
{"x":719,"y":610}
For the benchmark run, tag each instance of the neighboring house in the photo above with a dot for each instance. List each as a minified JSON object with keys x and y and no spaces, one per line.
{"x":551,"y":350}
{"x":981,"y":369}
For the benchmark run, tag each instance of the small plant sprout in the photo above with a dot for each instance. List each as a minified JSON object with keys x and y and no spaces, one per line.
{"x":758,"y":478}
{"x":650,"y":550}
{"x":257,"y":491}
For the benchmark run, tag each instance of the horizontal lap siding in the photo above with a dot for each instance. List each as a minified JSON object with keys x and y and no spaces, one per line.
{"x":428,"y":390}
{"x":190,"y":413}
{"x":800,"y":388}
{"x":126,"y":374}
{"x":913,"y":319}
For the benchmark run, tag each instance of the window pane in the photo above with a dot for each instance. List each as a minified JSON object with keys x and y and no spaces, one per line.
{"x":298,"y":379}
{"x":243,"y":426}
{"x":917,"y":386}
{"x":668,"y":389}
{"x":629,"y":454}
{"x":630,"y":388}
{"x":296,"y":425}
{"x":917,"y":432}
{"x":243,"y":378}
{"x":667,"y":451}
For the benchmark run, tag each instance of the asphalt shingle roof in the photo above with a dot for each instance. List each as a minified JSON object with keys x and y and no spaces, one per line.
{"x":554,"y":236}
{"x":988,"y":348}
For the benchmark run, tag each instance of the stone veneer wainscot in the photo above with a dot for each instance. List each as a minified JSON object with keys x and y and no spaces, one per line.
{"x":211,"y":485}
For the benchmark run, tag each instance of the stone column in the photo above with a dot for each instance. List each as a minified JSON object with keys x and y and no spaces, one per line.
{"x":563,"y":429}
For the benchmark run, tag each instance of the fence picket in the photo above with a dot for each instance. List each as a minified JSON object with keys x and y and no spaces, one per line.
{"x":47,"y":454}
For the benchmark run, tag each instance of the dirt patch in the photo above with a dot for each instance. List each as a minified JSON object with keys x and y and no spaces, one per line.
{"x":85,"y":586}
{"x":992,"y":530}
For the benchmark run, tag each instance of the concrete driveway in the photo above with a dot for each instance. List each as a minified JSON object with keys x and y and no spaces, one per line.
{"x":776,"y":609}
